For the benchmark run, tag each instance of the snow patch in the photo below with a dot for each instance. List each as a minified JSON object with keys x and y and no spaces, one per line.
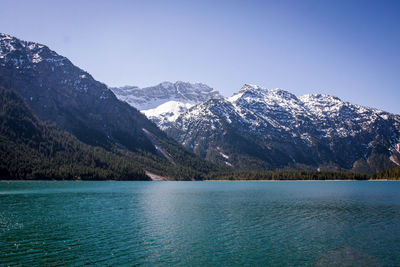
{"x":235,"y":97}
{"x":224,"y":155}
{"x":384,"y":116}
{"x":170,"y":110}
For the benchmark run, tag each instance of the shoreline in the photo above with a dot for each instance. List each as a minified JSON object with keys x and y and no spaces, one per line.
{"x":210,"y":180}
{"x":305,"y":180}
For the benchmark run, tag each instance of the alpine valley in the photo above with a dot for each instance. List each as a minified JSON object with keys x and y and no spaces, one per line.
{"x":58,"y":122}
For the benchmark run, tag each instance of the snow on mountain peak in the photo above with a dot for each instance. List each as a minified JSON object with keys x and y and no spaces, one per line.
{"x":315,"y":127}
{"x":166,"y":84}
{"x":22,"y":53}
{"x":153,"y":96}
{"x":319,"y":98}
{"x":283,"y":110}
{"x":250,"y":91}
{"x":164,"y":102}
{"x":247,"y":87}
{"x":3,"y":35}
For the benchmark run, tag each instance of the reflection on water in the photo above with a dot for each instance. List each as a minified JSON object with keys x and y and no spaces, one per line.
{"x":200,"y":223}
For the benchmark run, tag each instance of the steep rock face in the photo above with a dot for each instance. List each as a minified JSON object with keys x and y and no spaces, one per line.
{"x":261,"y":128}
{"x":58,"y":91}
{"x":164,"y":102}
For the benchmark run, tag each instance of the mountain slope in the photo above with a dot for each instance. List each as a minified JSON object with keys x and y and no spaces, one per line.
{"x":272,"y":129}
{"x":33,"y":150}
{"x":163,"y":103}
{"x":60,"y":92}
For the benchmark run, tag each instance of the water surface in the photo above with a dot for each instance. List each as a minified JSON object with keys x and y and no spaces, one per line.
{"x":200,"y":223}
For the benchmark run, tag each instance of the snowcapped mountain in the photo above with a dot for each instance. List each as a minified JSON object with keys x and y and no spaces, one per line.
{"x":163,"y":103}
{"x":58,"y":91}
{"x":257,"y":127}
{"x":19,"y":53}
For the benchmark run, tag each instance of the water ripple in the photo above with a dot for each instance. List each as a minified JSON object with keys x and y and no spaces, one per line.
{"x":192,"y":223}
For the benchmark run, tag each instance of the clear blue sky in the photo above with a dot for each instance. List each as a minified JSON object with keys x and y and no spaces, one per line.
{"x":350,"y":49}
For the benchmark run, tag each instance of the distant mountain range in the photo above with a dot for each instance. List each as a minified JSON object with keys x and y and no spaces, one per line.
{"x":255,"y":129}
{"x":274,"y":129}
{"x":163,"y":103}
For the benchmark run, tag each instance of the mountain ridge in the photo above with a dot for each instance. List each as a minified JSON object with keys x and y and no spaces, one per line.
{"x":254,"y":128}
{"x":306,"y":131}
{"x":60,"y":92}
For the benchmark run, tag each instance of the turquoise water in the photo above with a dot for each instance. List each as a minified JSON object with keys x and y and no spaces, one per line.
{"x":200,"y":223}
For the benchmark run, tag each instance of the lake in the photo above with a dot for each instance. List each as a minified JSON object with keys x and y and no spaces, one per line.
{"x":297,"y":223}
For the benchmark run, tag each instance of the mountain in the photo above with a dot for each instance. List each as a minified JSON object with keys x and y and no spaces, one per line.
{"x":163,"y":103}
{"x":256,"y":128}
{"x":57,"y":91}
{"x":31,"y":149}
{"x":274,"y":129}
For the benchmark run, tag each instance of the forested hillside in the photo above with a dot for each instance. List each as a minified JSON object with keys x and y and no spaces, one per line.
{"x":31,"y":149}
{"x":392,"y":174}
